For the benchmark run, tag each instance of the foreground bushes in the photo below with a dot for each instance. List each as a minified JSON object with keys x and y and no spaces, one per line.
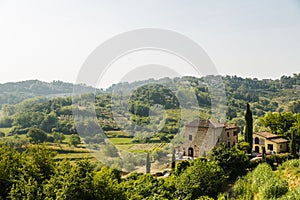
{"x":33,"y":174}
{"x":262,"y":182}
{"x":200,"y":179}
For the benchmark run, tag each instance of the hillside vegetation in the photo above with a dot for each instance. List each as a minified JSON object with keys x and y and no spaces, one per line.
{"x":144,"y":118}
{"x":166,"y":100}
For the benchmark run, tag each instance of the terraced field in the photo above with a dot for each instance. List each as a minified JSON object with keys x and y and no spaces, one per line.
{"x":147,"y":146}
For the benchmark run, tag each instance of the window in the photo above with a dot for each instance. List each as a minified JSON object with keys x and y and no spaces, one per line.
{"x":190,"y":137}
{"x":270,"y":147}
{"x":228,"y":144}
{"x":228,"y":134}
{"x":256,"y":140}
{"x":233,"y":144}
{"x":281,"y":146}
{"x":235,"y":133}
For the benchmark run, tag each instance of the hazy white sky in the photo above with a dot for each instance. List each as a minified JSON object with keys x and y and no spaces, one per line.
{"x":50,"y":40}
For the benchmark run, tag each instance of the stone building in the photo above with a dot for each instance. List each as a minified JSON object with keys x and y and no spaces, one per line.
{"x":270,"y":141}
{"x":200,"y":136}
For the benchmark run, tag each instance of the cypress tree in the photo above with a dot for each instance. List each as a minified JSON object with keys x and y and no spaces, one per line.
{"x":148,"y":164}
{"x":249,"y":128}
{"x":292,"y":145}
{"x":263,"y":153}
{"x":173,"y":159}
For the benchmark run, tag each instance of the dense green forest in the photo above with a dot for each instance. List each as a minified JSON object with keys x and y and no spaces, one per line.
{"x":139,"y":117}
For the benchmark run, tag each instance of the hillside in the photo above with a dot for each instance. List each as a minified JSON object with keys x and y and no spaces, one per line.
{"x":145,"y":117}
{"x":145,"y":105}
{"x":15,"y":92}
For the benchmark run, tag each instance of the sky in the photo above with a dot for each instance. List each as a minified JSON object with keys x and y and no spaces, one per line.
{"x":50,"y":40}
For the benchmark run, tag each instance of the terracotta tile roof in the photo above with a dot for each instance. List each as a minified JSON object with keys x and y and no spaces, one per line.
{"x":279,"y":140}
{"x":272,"y":137}
{"x":266,"y":135}
{"x":231,"y":126}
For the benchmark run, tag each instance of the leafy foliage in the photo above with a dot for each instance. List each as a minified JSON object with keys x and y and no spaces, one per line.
{"x":36,"y":135}
{"x":262,"y":182}
{"x":74,"y":140}
{"x":233,"y":161}
{"x":200,"y":179}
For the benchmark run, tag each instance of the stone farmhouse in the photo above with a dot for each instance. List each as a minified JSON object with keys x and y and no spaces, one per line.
{"x":270,"y":141}
{"x":200,"y":136}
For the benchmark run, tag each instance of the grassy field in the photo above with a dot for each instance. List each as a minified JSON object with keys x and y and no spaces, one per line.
{"x":118,"y":141}
{"x":127,"y":145}
{"x":5,"y":130}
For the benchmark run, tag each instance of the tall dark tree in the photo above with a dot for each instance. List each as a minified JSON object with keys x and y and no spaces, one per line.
{"x":173,"y":162}
{"x":249,"y":127}
{"x":263,"y":153}
{"x":148,"y":164}
{"x":292,"y":145}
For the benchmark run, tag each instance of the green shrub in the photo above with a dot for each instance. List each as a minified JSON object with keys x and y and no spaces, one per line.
{"x":291,"y":195}
{"x":262,"y":181}
{"x":274,"y":188}
{"x":242,"y":188}
{"x":278,"y":158}
{"x":295,"y":163}
{"x":200,"y":179}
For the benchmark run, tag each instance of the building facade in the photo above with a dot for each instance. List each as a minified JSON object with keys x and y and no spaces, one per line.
{"x":200,"y":136}
{"x":270,"y":141}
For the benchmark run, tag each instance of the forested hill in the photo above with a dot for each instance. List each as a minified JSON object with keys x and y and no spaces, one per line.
{"x":174,"y":97}
{"x":266,"y":95}
{"x":15,"y":92}
{"x":232,"y":82}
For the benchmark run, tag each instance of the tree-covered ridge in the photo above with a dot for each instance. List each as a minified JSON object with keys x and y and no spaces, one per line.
{"x":15,"y":92}
{"x":266,"y":95}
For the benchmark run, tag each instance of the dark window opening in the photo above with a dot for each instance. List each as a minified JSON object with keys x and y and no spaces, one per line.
{"x":235,"y":133}
{"x":256,"y":140}
{"x":270,"y":147}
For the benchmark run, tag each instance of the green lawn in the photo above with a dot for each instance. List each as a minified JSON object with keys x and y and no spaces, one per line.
{"x":117,"y":141}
